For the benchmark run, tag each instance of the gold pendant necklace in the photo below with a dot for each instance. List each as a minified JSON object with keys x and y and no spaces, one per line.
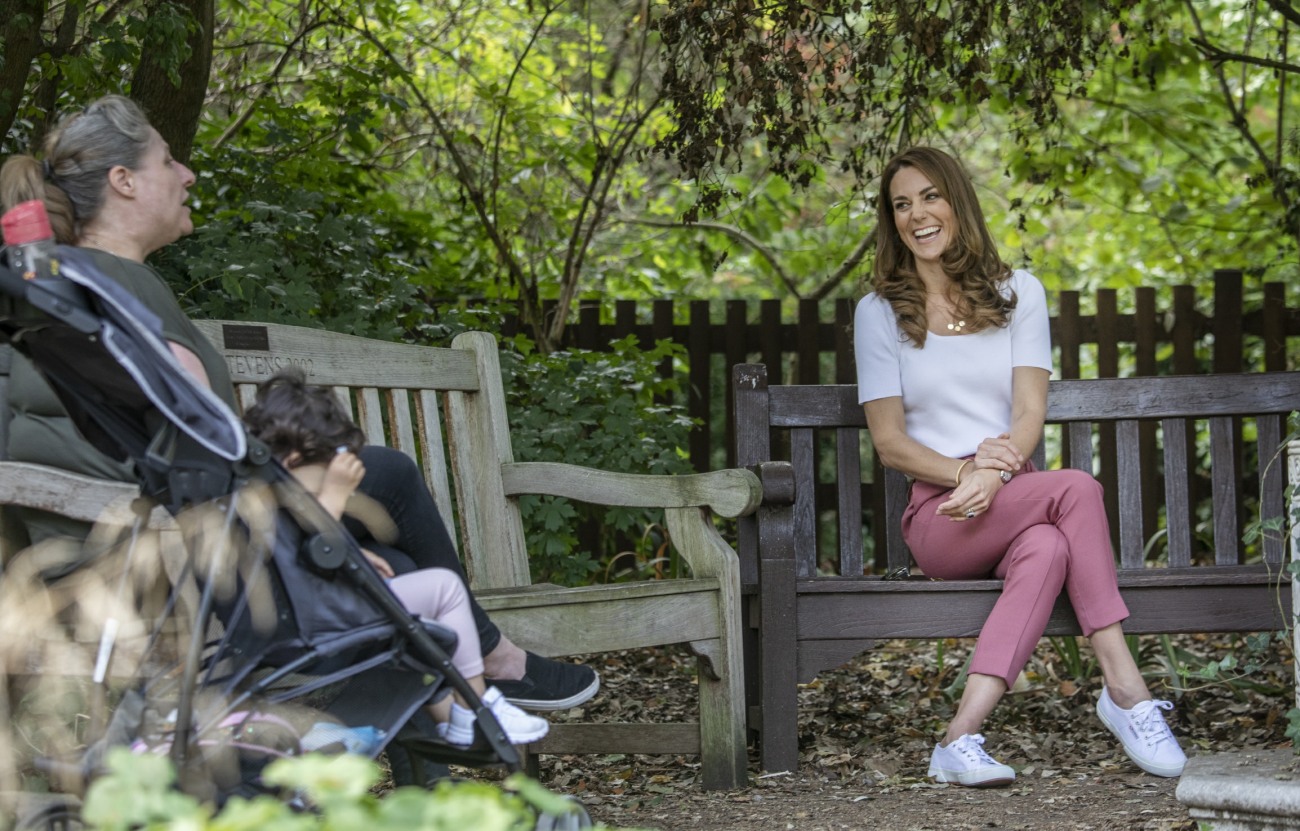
{"x":957,"y":327}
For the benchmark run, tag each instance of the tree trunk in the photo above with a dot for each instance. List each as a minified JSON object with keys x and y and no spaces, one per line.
{"x":20,"y":28}
{"x":174,"y":110}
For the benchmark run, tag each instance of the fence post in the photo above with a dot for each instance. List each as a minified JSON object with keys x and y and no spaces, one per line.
{"x":807,"y":344}
{"x":700,"y":394}
{"x":1273,"y":327}
{"x":845,"y":365}
{"x":770,"y":340}
{"x":1145,"y":326}
{"x":734,"y":349}
{"x":1107,"y":331}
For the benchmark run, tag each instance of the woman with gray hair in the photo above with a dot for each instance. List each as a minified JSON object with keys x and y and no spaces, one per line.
{"x":111,"y":187}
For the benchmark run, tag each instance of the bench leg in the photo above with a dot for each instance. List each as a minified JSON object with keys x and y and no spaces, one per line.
{"x":724,"y":760}
{"x":778,"y":666}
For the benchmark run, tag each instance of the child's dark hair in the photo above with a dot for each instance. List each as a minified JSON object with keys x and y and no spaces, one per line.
{"x":291,"y":415}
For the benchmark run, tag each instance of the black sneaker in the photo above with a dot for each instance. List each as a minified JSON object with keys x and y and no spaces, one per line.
{"x":549,"y":685}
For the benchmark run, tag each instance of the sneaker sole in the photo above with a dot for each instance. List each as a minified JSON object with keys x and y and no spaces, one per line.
{"x":1153,"y":769}
{"x":547,"y":705}
{"x":954,"y":778}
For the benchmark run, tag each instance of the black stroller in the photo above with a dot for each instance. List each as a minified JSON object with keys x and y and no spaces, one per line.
{"x":289,"y":615}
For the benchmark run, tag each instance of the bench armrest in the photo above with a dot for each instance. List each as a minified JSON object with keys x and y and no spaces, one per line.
{"x":728,"y":493}
{"x":686,"y":500}
{"x":71,"y":495}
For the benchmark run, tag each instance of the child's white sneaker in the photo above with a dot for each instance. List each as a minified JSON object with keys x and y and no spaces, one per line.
{"x":1147,"y":740}
{"x":965,"y":762}
{"x":520,"y":727}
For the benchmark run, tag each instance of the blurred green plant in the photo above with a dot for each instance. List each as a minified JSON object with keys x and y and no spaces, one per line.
{"x":139,"y":793}
{"x":606,"y":410}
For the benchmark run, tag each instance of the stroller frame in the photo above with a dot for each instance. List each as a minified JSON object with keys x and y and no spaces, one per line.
{"x":104,"y":356}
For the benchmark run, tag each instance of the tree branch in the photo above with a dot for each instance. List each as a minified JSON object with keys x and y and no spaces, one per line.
{"x":464,"y":175}
{"x":1219,"y":56}
{"x":739,"y":234}
{"x":265,"y":85}
{"x":1285,"y":9}
{"x":846,"y":268}
{"x":1239,"y":118}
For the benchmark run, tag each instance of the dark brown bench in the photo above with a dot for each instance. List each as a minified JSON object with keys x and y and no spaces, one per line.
{"x":815,"y":556}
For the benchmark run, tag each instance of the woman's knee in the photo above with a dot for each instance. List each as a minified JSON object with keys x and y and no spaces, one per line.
{"x":1079,"y":483}
{"x":1040,"y":547}
{"x":389,"y":464}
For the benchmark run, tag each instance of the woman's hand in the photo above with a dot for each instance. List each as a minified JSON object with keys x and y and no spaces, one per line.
{"x":998,"y":454}
{"x":973,"y":496}
{"x":381,"y":565}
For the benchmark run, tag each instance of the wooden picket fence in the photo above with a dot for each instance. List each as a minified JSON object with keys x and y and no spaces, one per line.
{"x":1183,"y":338}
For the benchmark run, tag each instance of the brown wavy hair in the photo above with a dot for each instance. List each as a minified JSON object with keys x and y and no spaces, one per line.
{"x":971,"y":260}
{"x":291,"y":415}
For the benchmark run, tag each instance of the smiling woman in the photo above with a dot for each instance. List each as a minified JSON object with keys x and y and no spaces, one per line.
{"x":953,"y":356}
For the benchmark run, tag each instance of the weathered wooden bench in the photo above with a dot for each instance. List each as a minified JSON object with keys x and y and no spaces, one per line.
{"x":422,"y":400}
{"x":817,"y":592}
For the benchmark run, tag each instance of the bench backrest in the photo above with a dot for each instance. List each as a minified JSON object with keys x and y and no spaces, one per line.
{"x":1144,"y":437}
{"x":417,"y":399}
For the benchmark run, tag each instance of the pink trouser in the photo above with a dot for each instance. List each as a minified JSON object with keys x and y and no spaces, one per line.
{"x":1044,"y":530}
{"x":439,"y":594}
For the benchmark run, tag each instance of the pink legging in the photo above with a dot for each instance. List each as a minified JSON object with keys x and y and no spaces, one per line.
{"x":439,"y":594}
{"x":1044,"y":530}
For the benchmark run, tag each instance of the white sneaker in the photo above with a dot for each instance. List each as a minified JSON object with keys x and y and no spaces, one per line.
{"x":964,"y":762}
{"x":520,"y":727}
{"x":1142,"y":730}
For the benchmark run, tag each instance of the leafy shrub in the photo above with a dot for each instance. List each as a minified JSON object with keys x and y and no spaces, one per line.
{"x":604,"y":410}
{"x":138,"y":793}
{"x":305,"y":241}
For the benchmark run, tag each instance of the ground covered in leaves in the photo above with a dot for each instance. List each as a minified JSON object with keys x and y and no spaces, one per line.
{"x":866,"y":731}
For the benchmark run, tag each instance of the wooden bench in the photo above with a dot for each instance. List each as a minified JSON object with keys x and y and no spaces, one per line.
{"x":422,"y":400}
{"x":816,"y":588}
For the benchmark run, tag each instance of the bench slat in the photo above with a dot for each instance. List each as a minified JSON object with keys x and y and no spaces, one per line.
{"x":345,"y":360}
{"x":1178,"y":519}
{"x":1224,"y":477}
{"x":1272,"y":471}
{"x":1169,"y":396}
{"x":1129,"y":484}
{"x":370,"y":415}
{"x":886,"y":613}
{"x":896,"y":493}
{"x":803,"y":457}
{"x":1079,"y":442}
{"x":434,"y":458}
{"x":1089,"y":399}
{"x":397,"y":405}
{"x":848,"y":456}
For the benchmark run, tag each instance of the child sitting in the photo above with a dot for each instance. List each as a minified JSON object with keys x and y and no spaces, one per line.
{"x":308,"y":430}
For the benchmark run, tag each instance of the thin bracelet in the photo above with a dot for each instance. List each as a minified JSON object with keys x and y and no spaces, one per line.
{"x":956,"y":480}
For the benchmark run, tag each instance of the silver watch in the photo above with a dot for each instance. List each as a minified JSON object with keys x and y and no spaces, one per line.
{"x":1006,"y":476}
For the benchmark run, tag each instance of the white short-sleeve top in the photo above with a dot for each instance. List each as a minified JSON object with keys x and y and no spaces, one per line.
{"x":956,"y":389}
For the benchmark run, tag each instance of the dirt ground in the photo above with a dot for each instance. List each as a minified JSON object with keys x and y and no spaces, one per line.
{"x":866,"y":731}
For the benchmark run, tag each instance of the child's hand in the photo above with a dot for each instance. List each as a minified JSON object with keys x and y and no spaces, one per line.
{"x":340,"y":482}
{"x":381,"y":565}
{"x":343,"y":474}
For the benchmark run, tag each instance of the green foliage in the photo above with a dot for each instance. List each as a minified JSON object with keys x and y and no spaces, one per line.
{"x":139,"y":793}
{"x":304,"y":241}
{"x":601,"y":410}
